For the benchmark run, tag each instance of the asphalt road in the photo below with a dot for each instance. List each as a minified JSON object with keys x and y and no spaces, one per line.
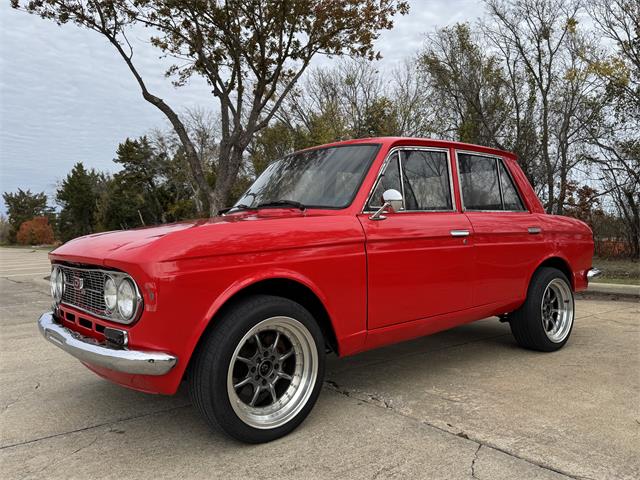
{"x":467,"y":403}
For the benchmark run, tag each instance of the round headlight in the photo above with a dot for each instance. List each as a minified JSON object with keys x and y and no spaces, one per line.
{"x":59,"y":285}
{"x":52,"y":281}
{"x":110,"y":294}
{"x":56,"y":283}
{"x":127,"y":299}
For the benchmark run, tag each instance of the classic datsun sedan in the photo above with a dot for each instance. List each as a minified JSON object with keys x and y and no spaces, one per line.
{"x":341,"y":248}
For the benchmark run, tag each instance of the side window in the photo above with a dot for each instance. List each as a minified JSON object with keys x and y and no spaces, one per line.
{"x":390,"y":178}
{"x":510,"y":197}
{"x":426,"y":180}
{"x":479,"y":182}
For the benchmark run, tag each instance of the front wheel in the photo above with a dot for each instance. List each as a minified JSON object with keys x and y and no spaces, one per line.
{"x":545,"y":320}
{"x":258,"y":372}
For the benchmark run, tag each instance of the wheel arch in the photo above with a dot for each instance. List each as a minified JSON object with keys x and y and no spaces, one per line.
{"x":559,"y":263}
{"x":283,"y":285}
{"x":293,"y":290}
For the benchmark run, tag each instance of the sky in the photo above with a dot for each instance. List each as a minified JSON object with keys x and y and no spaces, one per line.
{"x":66,"y":97}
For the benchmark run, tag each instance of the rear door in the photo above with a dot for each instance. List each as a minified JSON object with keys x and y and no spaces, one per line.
{"x":420,"y":259}
{"x":507,"y":236}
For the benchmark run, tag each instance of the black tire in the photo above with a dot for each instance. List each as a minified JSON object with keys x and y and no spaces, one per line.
{"x":209,"y":375}
{"x":527,"y":322}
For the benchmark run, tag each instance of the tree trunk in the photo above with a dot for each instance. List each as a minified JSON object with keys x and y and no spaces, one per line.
{"x":563,"y":185}
{"x":190,"y":152}
{"x":229,"y":163}
{"x":634,"y":226}
{"x":545,"y":154}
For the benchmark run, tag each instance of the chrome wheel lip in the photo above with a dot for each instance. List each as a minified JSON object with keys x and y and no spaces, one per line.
{"x":557,"y":310}
{"x":302,"y":385}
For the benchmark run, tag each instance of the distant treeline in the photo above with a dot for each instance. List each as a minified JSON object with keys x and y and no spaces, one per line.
{"x":555,"y":81}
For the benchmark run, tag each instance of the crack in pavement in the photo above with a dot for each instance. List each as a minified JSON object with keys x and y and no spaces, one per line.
{"x":19,"y":282}
{"x":473,"y":462}
{"x":57,"y":460}
{"x":387,"y":405}
{"x":91,"y":427}
{"x":368,"y":397}
{"x":6,"y":407}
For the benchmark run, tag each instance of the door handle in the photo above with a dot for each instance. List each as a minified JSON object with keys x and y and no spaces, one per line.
{"x":459,"y":233}
{"x":534,"y":230}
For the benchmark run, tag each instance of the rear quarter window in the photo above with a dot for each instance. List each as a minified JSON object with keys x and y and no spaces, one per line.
{"x":486,"y":184}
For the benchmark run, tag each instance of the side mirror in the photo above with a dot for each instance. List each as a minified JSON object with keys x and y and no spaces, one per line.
{"x":392,"y":203}
{"x":393,"y":199}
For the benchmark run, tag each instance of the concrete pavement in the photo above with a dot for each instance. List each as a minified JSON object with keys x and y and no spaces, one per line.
{"x":467,"y":403}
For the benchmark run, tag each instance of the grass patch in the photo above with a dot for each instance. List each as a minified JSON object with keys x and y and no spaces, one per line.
{"x":623,"y":271}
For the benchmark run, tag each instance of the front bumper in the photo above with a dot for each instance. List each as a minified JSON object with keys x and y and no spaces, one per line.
{"x":90,"y":351}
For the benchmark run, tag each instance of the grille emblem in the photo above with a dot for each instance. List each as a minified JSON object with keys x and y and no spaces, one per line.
{"x":78,"y":283}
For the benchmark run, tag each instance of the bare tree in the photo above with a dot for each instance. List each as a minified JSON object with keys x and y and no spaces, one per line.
{"x":615,"y":137}
{"x":415,"y":110}
{"x":468,"y":82}
{"x":619,"y":21}
{"x":251,"y":53}
{"x":522,"y":122}
{"x":538,"y":31}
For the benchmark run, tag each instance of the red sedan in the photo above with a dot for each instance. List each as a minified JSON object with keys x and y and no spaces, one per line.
{"x":340,"y":248}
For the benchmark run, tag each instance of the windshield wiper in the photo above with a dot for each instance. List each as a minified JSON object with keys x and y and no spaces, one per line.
{"x":242,"y":206}
{"x":282,"y":203}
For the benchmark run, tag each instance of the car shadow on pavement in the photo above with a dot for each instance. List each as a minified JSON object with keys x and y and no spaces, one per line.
{"x":475,"y":343}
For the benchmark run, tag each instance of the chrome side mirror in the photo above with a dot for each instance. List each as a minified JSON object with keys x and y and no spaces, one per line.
{"x":392,"y":203}
{"x":393,"y":198}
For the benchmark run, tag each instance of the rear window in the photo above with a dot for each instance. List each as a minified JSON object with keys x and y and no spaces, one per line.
{"x":486,"y":184}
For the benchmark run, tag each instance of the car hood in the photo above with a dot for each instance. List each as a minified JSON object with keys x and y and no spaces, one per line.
{"x":237,"y":233}
{"x":102,"y":246}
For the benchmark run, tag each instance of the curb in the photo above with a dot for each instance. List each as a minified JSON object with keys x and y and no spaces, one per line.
{"x":614,"y":288}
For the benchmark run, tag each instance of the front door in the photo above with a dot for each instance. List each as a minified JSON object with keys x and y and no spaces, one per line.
{"x":420,"y":259}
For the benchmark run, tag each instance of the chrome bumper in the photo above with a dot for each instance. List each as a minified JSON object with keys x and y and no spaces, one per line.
{"x":593,"y":273}
{"x":99,"y":354}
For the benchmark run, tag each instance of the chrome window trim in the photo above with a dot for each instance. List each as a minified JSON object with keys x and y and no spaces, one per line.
{"x":375,"y":184}
{"x":111,"y":273}
{"x":496,"y":158}
{"x":513,"y":184}
{"x":399,"y":151}
{"x":404,"y":205}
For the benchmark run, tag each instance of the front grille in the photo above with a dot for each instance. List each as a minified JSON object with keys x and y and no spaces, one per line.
{"x":83,"y":289}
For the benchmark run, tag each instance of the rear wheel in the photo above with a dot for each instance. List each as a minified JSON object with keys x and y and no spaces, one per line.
{"x":545,"y":320}
{"x":259,"y":371}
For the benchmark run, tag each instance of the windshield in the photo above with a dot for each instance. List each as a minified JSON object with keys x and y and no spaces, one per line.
{"x":321,"y":178}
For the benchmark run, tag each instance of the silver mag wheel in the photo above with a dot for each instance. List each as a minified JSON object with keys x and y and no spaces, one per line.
{"x":557,"y":310}
{"x":272,"y":372}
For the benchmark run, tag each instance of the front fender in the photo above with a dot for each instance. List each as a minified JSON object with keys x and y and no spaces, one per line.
{"x":241,"y":284}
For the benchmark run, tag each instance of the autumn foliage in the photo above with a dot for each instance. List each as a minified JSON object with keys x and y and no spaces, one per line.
{"x":36,"y":231}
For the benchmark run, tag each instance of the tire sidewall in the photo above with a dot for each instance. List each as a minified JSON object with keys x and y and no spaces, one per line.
{"x":238,"y":324}
{"x":534,"y":300}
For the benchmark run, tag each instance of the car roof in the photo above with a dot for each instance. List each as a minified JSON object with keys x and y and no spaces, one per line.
{"x":406,"y":141}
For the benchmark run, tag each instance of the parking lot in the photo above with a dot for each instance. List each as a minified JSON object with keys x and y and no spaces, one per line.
{"x":467,"y":403}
